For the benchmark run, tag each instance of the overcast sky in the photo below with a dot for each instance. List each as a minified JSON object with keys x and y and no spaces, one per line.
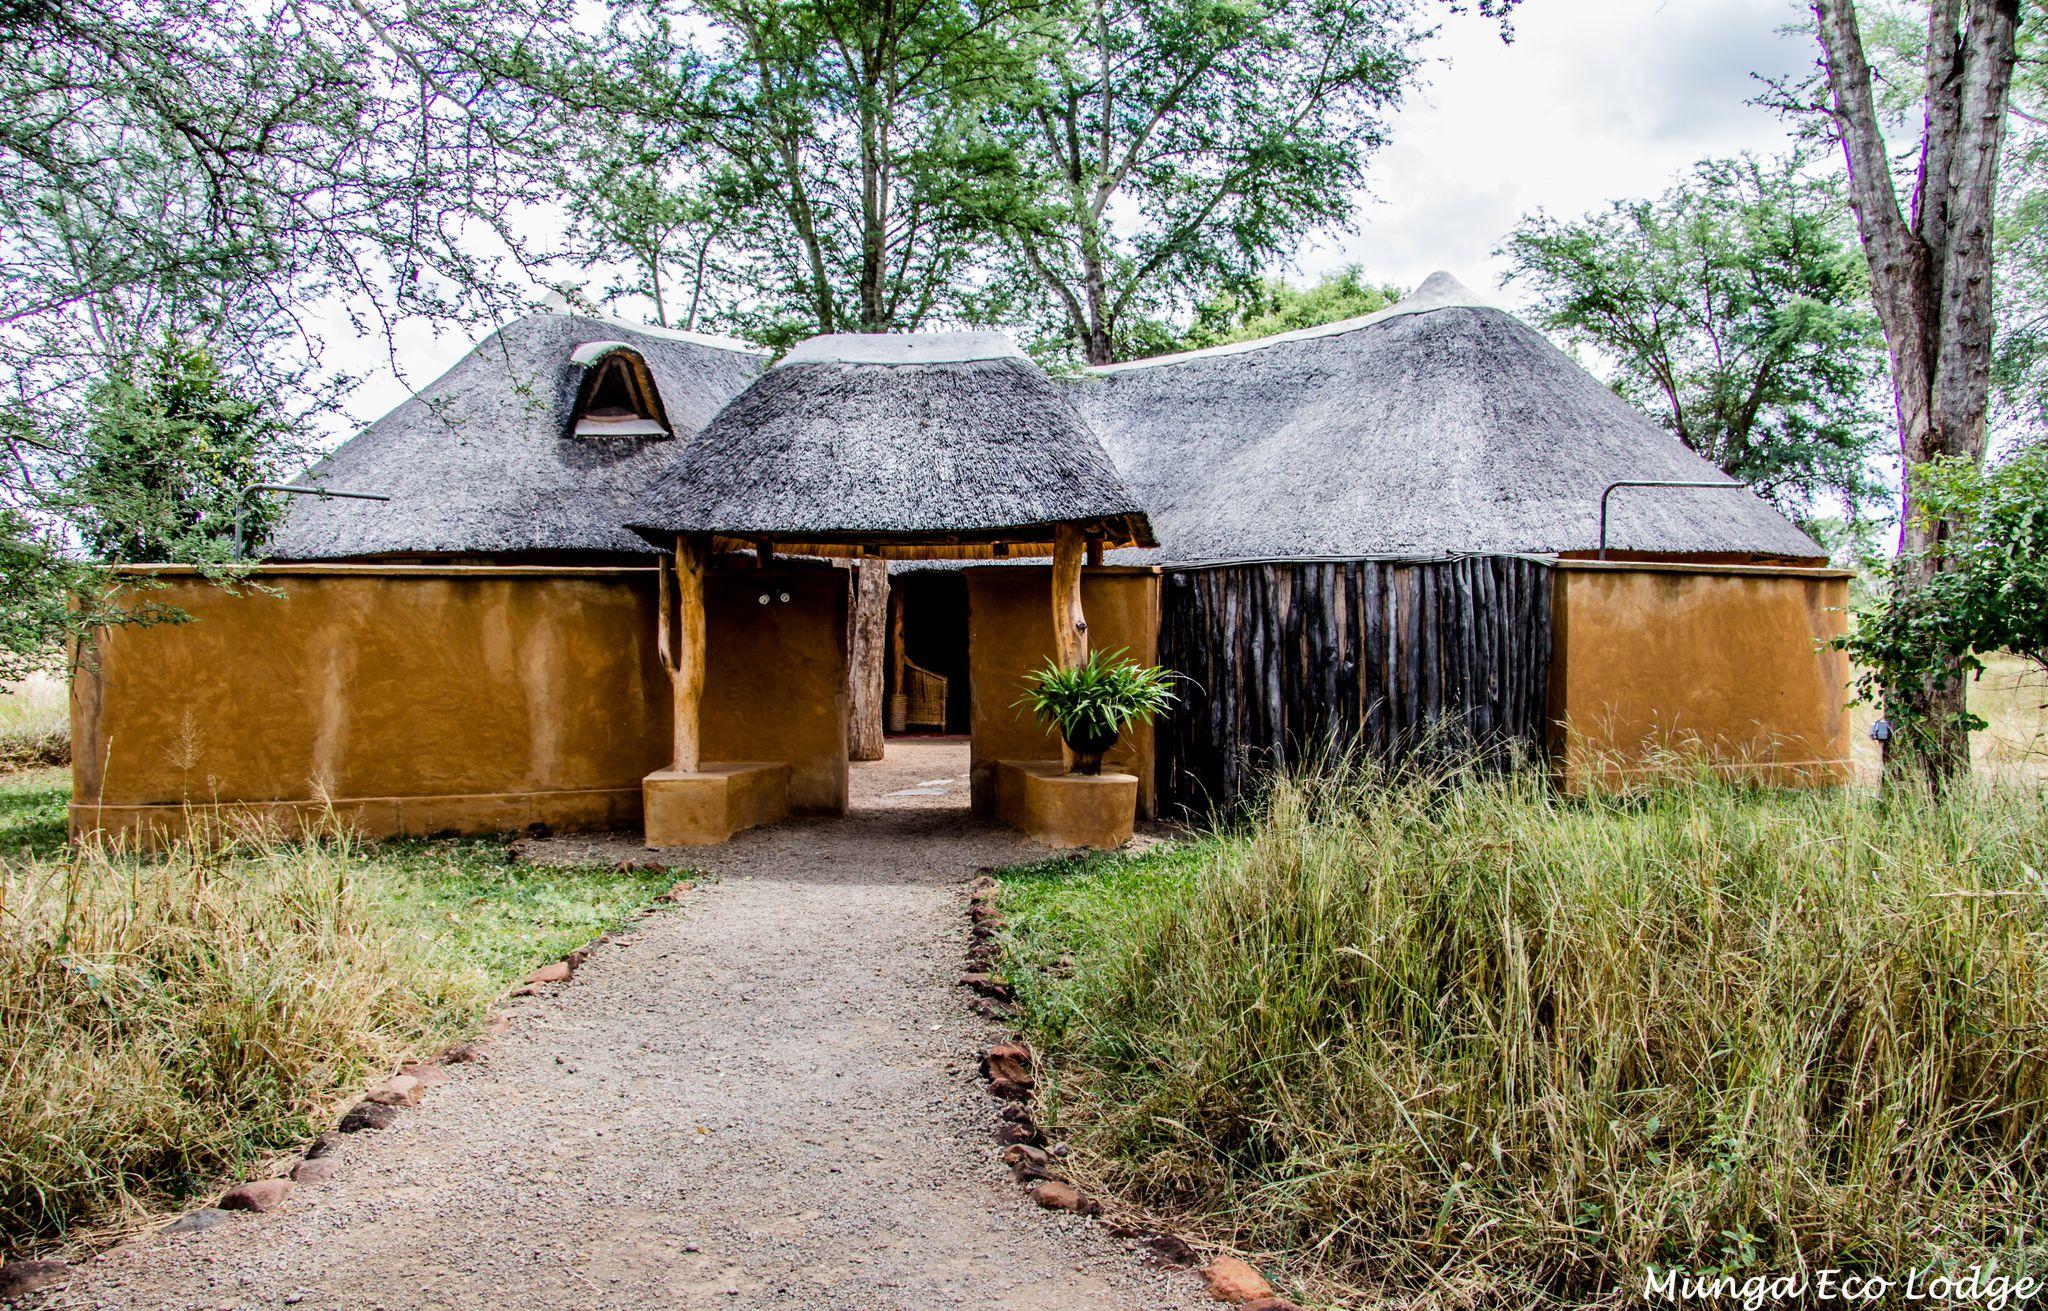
{"x":1594,"y":100}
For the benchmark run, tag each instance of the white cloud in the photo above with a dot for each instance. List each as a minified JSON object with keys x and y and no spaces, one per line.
{"x":1595,"y":100}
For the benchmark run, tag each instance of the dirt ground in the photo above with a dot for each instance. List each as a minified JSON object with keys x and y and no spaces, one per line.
{"x":765,"y":1098}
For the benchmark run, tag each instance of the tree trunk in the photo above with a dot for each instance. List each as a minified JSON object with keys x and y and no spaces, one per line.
{"x":1096,"y":346}
{"x":1930,"y":278}
{"x":867,"y":643}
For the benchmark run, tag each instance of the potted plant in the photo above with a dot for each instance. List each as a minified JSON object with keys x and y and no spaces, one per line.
{"x":1092,"y":703}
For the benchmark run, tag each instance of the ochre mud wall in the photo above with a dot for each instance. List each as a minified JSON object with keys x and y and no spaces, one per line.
{"x":775,"y":685}
{"x":422,"y":699}
{"x":1661,"y":665}
{"x":1009,"y":625}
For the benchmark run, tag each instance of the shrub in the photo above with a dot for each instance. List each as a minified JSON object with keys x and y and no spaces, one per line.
{"x":1462,"y":1037}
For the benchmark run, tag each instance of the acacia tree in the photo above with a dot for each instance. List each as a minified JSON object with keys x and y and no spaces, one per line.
{"x":227,"y":170}
{"x":1168,"y":148}
{"x":631,"y":201}
{"x":831,"y":144}
{"x":1734,"y":307}
{"x":1273,"y":305}
{"x":1931,"y":262}
{"x":1895,"y":32}
{"x":169,"y":447}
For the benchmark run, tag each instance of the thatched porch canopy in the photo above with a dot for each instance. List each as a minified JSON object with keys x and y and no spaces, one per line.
{"x":928,"y":446}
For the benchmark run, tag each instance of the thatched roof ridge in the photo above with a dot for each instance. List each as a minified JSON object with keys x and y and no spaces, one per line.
{"x":483,"y":460}
{"x":935,"y":444}
{"x":1442,"y":425}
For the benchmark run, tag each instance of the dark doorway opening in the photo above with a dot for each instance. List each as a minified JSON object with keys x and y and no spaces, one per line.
{"x":926,"y":672}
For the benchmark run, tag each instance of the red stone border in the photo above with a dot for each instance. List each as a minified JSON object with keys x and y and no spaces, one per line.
{"x":1009,"y":1070}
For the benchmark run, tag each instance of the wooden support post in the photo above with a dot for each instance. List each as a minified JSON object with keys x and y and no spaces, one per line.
{"x":1069,"y":621}
{"x":683,"y":652}
{"x":1094,"y":550}
{"x":867,"y":648}
{"x":764,"y":552}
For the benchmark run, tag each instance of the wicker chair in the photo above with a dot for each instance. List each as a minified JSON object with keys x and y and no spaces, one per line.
{"x":924,"y":694}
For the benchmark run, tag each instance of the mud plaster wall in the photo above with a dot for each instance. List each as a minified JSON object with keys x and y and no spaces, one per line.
{"x":1724,"y":662}
{"x":1009,"y":625}
{"x":425,"y":698}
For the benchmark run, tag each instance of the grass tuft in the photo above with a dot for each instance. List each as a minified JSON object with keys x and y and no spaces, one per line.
{"x":1461,"y":1040}
{"x":168,"y":1021}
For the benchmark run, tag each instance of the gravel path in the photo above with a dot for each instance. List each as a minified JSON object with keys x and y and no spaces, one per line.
{"x":765,"y":1098}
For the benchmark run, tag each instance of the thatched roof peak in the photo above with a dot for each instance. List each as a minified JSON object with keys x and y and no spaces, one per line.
{"x":1441,"y":425}
{"x":1438,"y":291}
{"x":894,"y":348}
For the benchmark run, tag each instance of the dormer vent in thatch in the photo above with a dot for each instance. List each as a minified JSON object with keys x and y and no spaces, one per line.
{"x":912,"y":446}
{"x":616,"y":395}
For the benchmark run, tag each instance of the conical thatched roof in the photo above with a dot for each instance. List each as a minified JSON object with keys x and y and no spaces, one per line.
{"x":484,"y":460}
{"x":1440,"y":425}
{"x":926,"y":445}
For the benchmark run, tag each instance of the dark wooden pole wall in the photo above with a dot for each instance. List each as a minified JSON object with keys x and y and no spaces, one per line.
{"x":1284,"y":661}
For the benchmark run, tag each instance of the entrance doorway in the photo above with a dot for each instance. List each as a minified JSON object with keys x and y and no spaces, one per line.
{"x":925,"y":675}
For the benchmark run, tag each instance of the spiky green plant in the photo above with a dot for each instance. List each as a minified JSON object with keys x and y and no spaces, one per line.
{"x":1098,"y":698}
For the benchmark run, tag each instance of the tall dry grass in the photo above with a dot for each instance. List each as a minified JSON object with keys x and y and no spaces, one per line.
{"x":164,"y":1022}
{"x":35,"y":723}
{"x":1462,"y":1041}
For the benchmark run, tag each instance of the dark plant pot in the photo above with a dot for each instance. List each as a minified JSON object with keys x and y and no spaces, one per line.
{"x":1089,"y":745}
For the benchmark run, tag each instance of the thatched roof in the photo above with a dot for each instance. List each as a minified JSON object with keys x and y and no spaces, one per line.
{"x":1440,"y":425}
{"x":943,"y":444}
{"x":486,"y":460}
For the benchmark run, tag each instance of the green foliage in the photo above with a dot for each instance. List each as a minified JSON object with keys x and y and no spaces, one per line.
{"x":170,"y":445}
{"x":627,"y":206}
{"x":48,"y":596}
{"x":1081,"y":171}
{"x":1164,"y":149}
{"x":35,"y":813}
{"x":226,"y":174}
{"x":1984,"y":589}
{"x":1101,"y":696}
{"x":1275,"y":305}
{"x":1735,"y":308}
{"x":815,"y":158}
{"x":170,"y":1022}
{"x":1465,"y":1036}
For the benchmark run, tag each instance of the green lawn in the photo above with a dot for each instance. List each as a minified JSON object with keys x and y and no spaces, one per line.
{"x":33,"y":812}
{"x":171,"y":1019}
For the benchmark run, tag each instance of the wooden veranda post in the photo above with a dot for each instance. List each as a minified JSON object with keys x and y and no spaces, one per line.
{"x":1069,"y":621}
{"x":680,"y":632}
{"x":867,"y":648}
